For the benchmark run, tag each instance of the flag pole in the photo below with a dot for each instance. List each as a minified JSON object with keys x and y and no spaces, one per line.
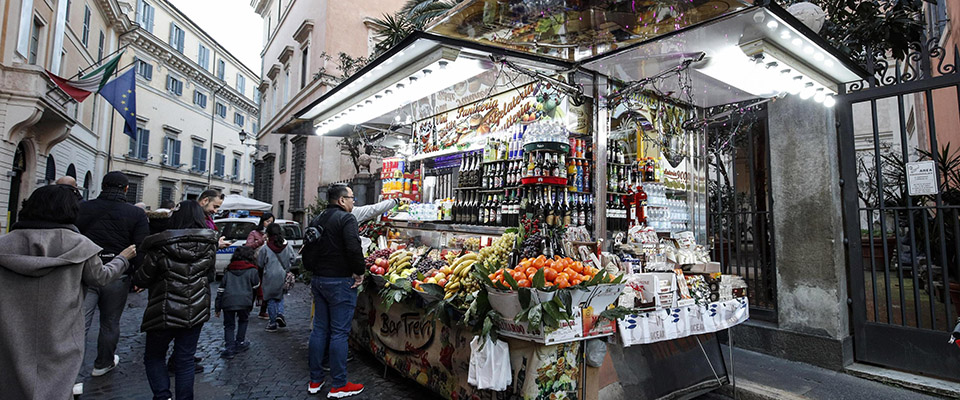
{"x":134,"y":62}
{"x":122,"y":48}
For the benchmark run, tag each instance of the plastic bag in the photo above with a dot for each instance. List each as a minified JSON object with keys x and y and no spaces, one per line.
{"x":489,"y":364}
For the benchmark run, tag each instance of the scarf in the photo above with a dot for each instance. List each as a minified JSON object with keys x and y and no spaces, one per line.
{"x":114,"y":194}
{"x":240,"y":265}
{"x":275,"y":248}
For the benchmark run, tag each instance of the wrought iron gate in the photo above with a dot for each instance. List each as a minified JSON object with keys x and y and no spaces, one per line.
{"x":902,"y":249}
{"x":740,"y":220}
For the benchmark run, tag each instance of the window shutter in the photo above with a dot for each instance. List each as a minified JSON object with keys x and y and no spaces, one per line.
{"x":149,"y":21}
{"x":173,"y":35}
{"x":176,"y":153}
{"x":203,"y":160}
{"x":144,"y":144}
{"x":133,"y":145}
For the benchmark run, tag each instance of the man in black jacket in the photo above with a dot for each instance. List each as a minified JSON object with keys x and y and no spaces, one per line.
{"x":336,"y":260}
{"x":113,"y":224}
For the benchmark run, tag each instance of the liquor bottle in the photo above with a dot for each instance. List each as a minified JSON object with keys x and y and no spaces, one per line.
{"x":650,"y":170}
{"x":564,"y":210}
{"x":623,"y":180}
{"x":500,"y":208}
{"x":538,"y":165}
{"x":588,"y":212}
{"x":562,"y":167}
{"x":531,"y":166}
{"x":471,"y":217}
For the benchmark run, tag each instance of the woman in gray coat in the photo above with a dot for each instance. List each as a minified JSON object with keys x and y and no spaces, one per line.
{"x":275,"y":258}
{"x":46,"y":266}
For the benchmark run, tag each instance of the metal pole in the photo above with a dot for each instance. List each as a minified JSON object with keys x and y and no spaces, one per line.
{"x":733,"y":376}
{"x":213,"y":122}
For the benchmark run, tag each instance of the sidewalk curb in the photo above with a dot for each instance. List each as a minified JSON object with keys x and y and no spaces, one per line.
{"x":747,"y":390}
{"x":917,"y":383}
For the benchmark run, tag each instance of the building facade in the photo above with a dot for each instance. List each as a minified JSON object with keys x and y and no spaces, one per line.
{"x":301,"y":41}
{"x":193,"y":100}
{"x":45,"y":133}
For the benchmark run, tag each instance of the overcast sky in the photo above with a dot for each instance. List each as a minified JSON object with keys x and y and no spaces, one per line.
{"x":232,"y":23}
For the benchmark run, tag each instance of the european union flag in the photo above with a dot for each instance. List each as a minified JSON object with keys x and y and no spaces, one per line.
{"x":121,"y":93}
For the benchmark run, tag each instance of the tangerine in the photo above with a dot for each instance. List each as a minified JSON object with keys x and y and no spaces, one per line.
{"x":575,"y":281}
{"x":523,"y":283}
{"x":563,"y":275}
{"x":549,"y":274}
{"x":562,"y":283}
{"x":530,"y":271}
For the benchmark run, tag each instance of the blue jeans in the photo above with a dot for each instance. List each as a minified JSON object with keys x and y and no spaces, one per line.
{"x":184,"y":349}
{"x":335,"y":303}
{"x":235,"y":319}
{"x":274,"y":308}
{"x":111,"y":300}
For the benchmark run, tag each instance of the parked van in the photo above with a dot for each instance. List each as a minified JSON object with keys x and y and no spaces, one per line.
{"x":235,"y":231}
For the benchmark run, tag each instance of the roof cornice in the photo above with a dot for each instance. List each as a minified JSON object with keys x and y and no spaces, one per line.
{"x":173,"y":59}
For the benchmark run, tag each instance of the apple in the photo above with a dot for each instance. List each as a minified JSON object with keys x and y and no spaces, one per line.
{"x":381,"y":262}
{"x":440,"y":275}
{"x":373,"y":269}
{"x":442,"y":282}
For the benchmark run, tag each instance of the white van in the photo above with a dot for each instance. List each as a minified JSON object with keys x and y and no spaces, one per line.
{"x":235,"y":231}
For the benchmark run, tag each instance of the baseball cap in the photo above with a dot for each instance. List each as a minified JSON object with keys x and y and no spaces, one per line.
{"x":115,"y":179}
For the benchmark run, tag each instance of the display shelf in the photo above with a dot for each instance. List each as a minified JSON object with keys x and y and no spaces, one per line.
{"x":497,"y":161}
{"x":457,"y":228}
{"x":547,"y":146}
{"x":579,"y":158}
{"x":620,"y":164}
{"x":467,"y":188}
{"x":544,"y":180}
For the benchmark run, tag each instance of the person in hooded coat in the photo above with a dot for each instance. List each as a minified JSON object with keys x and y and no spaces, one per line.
{"x":275,"y":258}
{"x":46,"y":266}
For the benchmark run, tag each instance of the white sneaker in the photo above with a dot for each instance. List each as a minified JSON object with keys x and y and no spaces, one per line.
{"x":103,"y":371}
{"x":78,"y":389}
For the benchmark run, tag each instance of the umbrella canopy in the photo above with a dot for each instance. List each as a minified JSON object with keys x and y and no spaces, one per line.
{"x":238,"y":202}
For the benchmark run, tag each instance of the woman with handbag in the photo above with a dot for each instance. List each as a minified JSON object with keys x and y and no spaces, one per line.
{"x":276,"y":259}
{"x":256,"y":239}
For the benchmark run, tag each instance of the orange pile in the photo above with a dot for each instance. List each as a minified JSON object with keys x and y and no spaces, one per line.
{"x":562,"y":272}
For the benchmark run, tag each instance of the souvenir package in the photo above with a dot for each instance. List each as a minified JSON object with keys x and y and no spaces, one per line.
{"x":699,"y":290}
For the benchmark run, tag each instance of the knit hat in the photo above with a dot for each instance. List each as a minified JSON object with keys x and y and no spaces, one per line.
{"x":115,"y":179}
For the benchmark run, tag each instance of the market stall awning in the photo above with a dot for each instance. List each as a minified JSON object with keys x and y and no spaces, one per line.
{"x":757,"y":53}
{"x":409,"y":81}
{"x":576,"y":30}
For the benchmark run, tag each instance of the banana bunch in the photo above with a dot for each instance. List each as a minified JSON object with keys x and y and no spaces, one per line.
{"x":459,"y":282}
{"x":401,"y":265}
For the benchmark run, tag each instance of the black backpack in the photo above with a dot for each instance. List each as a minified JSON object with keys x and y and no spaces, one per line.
{"x":315,"y":230}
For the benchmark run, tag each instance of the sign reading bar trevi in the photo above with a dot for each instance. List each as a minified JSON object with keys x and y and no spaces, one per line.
{"x":404,"y":329}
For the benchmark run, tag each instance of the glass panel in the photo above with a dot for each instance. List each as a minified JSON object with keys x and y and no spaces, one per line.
{"x":575,"y":30}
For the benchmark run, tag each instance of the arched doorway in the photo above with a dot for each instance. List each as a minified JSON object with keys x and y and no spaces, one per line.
{"x":19,"y":171}
{"x":50,"y":175}
{"x":87,"y":183}
{"x":72,"y":171}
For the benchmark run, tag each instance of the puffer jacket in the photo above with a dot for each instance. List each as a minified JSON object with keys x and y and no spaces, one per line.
{"x":176,"y":269}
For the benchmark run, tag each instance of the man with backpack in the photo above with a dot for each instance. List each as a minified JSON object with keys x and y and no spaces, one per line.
{"x":332,"y":252}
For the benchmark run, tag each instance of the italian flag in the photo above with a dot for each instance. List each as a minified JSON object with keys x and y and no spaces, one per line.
{"x":88,"y":84}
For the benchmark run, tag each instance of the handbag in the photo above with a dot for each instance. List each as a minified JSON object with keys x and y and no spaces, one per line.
{"x":290,"y":279}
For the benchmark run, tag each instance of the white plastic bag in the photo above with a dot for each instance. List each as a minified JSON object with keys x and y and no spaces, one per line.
{"x":489,"y":364}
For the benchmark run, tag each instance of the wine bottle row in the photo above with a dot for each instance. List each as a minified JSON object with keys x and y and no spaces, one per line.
{"x":553,"y":207}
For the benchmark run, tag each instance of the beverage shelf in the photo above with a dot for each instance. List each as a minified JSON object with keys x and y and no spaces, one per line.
{"x":547,"y":146}
{"x":544,"y":180}
{"x":467,"y":188}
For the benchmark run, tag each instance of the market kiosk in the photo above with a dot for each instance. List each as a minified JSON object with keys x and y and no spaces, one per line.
{"x":556,"y":247}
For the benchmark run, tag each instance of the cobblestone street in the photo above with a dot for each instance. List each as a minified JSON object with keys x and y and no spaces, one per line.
{"x":275,"y":367}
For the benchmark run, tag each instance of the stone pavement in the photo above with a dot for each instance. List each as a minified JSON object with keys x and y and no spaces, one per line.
{"x":275,"y":367}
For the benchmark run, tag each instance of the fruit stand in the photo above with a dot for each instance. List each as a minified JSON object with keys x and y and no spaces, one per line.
{"x":555,"y":153}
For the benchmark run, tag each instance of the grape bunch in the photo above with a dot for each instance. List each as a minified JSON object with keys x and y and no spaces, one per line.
{"x":497,"y":254}
{"x":530,"y":248}
{"x":383,"y":253}
{"x":429,"y":263}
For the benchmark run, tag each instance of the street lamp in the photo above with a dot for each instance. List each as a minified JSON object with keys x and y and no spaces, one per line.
{"x":243,"y":137}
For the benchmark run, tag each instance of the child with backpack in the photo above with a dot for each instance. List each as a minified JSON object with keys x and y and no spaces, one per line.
{"x":235,"y":299}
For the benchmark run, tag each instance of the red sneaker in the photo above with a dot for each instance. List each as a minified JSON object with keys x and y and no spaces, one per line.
{"x":347,"y":390}
{"x":314,"y":387}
